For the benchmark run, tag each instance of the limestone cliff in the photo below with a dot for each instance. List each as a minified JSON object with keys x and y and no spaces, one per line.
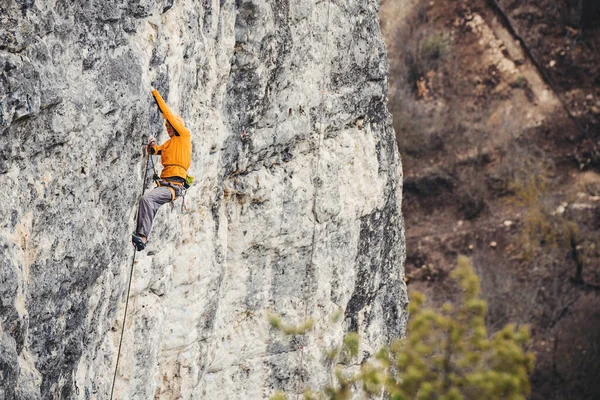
{"x":296,"y":209}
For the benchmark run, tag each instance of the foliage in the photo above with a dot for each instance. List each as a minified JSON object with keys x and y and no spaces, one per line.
{"x":448,"y":355}
{"x":542,"y":226}
{"x":520,"y":82}
{"x":434,"y":47}
{"x":276,"y":323}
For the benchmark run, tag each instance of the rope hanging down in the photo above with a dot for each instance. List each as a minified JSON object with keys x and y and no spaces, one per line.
{"x":316,"y":180}
{"x":129,"y":283}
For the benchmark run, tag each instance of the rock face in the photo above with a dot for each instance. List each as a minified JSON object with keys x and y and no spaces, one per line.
{"x":296,"y":210}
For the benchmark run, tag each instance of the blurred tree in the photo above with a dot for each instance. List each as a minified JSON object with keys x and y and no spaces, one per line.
{"x":447,"y":355}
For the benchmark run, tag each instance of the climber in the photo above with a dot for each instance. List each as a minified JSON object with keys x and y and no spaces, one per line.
{"x":176,"y":158}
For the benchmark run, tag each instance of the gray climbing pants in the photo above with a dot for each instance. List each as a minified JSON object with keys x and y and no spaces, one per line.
{"x":149,"y":205}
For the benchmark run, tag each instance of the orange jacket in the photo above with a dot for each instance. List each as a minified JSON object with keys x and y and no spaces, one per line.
{"x":176,"y":153}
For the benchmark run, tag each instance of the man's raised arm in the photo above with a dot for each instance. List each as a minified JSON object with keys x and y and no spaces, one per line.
{"x":175,"y":120}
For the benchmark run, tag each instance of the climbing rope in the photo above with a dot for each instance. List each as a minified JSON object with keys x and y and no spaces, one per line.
{"x":317,"y":182}
{"x":129,"y":282}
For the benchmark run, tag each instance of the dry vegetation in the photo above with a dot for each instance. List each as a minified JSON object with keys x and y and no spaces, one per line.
{"x":501,"y":152}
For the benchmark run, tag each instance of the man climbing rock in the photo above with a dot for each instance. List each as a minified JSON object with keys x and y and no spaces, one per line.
{"x":176,"y":157}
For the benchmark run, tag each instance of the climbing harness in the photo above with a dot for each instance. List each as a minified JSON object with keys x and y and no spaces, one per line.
{"x":173,"y":186}
{"x":316,"y":181}
{"x":129,"y":282}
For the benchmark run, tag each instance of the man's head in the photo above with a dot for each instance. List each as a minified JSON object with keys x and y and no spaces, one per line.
{"x":170,"y":129}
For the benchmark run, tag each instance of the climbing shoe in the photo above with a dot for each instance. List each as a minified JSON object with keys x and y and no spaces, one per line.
{"x":138,"y":242}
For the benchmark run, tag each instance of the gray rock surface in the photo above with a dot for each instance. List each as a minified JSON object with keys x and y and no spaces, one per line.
{"x":296,"y":209}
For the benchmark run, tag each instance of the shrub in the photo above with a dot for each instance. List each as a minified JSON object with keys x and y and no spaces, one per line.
{"x":543,"y":226}
{"x":434,"y":47}
{"x":520,"y":82}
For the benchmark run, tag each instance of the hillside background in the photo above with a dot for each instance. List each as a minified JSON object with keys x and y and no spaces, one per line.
{"x":496,"y":108}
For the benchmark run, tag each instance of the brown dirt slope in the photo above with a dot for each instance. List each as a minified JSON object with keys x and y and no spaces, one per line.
{"x":497,"y":110}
